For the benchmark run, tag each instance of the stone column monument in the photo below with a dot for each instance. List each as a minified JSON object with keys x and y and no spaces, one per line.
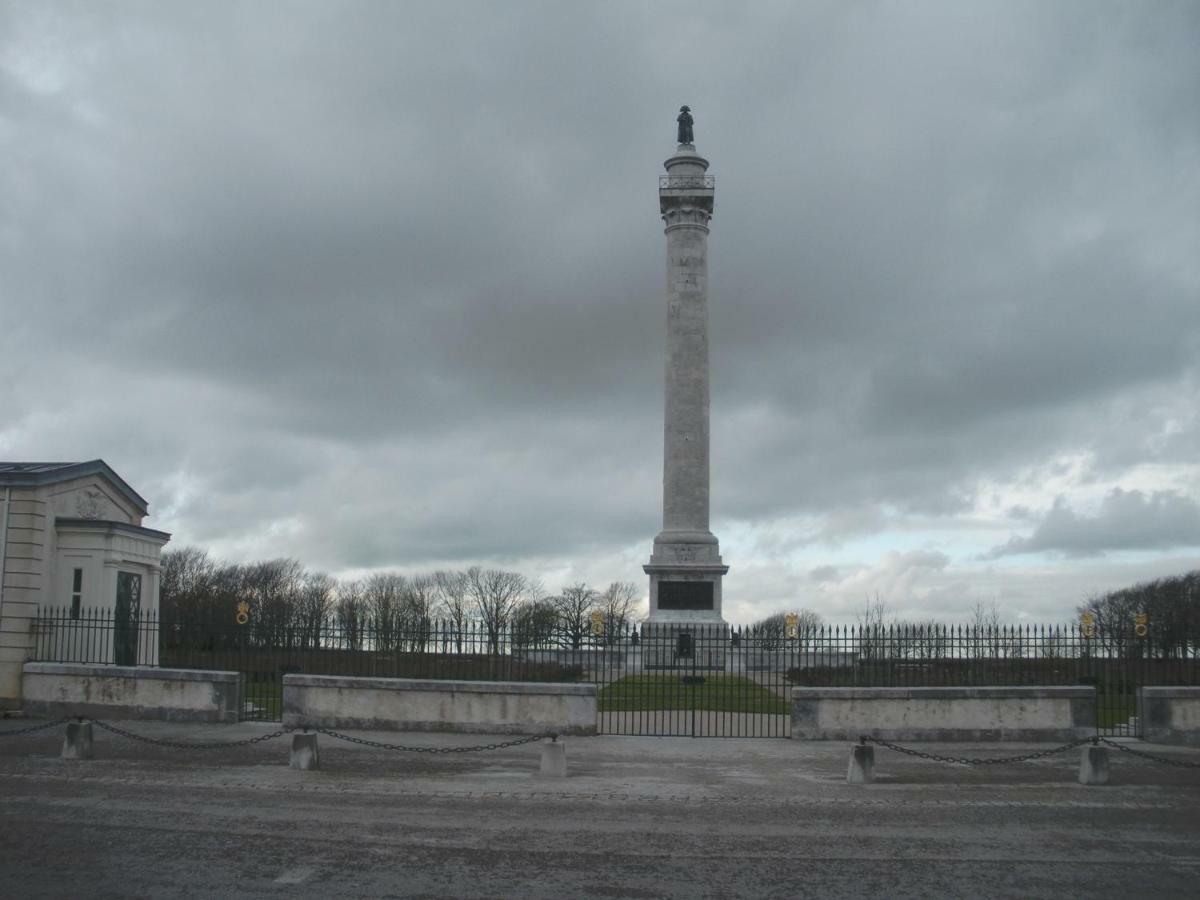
{"x":685,"y":627}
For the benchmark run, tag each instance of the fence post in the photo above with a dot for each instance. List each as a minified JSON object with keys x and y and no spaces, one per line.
{"x":862,"y":764}
{"x":78,"y":741}
{"x":304,"y":751}
{"x":1093,"y":765}
{"x":554,"y":759}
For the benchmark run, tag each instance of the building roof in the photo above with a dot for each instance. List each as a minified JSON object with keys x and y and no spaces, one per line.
{"x":33,"y":474}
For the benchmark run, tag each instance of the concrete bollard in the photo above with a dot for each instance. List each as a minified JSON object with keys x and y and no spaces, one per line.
{"x":78,"y":742}
{"x":862,"y":764}
{"x":554,"y":759}
{"x":304,"y":751}
{"x":1093,"y":765}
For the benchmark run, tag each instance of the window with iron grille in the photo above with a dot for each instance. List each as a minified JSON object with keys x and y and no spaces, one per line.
{"x":76,"y":593}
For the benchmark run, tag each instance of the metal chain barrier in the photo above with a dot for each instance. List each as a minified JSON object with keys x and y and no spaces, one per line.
{"x":381,"y":745}
{"x":1182,"y":764}
{"x":32,"y":728}
{"x":975,"y":760}
{"x":190,"y":745}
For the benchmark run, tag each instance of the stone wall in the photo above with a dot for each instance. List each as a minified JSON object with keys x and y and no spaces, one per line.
{"x":129,"y":692}
{"x":408,"y":704}
{"x":944,"y":713}
{"x":1170,"y":715}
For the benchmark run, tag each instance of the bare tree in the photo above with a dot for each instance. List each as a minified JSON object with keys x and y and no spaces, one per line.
{"x":808,"y":626}
{"x":921,"y":640}
{"x":873,"y":623}
{"x":573,"y":608}
{"x":313,"y":605}
{"x":534,"y":625}
{"x":350,"y":612}
{"x":496,"y":595}
{"x":616,"y":604}
{"x":454,"y":602}
{"x":417,"y":600}
{"x":382,"y":593}
{"x":272,"y":589}
{"x":185,"y":586}
{"x":985,"y":639}
{"x":769,"y":633}
{"x":775,"y":631}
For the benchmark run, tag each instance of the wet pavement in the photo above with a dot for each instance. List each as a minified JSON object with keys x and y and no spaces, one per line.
{"x":636,"y":817}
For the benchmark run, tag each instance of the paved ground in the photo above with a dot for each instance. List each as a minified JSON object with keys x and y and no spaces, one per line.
{"x":638,"y":817}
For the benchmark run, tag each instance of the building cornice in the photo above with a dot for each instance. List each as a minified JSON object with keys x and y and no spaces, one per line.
{"x":108,"y":527}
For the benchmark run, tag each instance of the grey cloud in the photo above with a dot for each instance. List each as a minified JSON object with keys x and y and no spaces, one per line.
{"x":378,"y":283}
{"x":824,"y":573}
{"x":1126,"y":520}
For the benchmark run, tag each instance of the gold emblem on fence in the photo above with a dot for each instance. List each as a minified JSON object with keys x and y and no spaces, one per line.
{"x":791,"y":624}
{"x":598,"y":623}
{"x":1140,"y":624}
{"x":1087,"y":624}
{"x":243,"y":613}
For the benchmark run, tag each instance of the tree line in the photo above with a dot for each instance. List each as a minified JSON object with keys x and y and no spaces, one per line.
{"x":286,"y":604}
{"x":1167,"y":610}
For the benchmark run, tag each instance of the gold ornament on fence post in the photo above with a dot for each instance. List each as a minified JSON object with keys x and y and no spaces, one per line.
{"x":1087,"y":624}
{"x":243,"y":613}
{"x":598,"y":624}
{"x":791,"y":624}
{"x":1140,"y":627}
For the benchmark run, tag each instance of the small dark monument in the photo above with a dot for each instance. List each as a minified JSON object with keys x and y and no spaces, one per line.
{"x":685,"y":126}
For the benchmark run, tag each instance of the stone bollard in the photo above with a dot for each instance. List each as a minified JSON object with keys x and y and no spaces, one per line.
{"x":862,"y":764}
{"x":1093,"y":765}
{"x":78,"y":742}
{"x":304,"y":751}
{"x":554,"y":759}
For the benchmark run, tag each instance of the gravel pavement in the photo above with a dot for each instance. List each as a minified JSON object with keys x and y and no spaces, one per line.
{"x":637,"y":817}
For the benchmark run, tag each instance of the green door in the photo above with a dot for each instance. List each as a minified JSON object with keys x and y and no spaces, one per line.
{"x":126,"y":618}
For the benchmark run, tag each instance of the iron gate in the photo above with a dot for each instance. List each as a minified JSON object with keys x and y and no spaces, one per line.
{"x":700,"y":680}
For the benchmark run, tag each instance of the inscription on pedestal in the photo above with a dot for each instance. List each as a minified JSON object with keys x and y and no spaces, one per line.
{"x":685,"y":595}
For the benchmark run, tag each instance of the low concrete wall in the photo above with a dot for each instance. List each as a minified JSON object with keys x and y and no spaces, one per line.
{"x":130,"y":692}
{"x":1170,"y":715}
{"x":784,"y":660}
{"x":411,"y":704}
{"x":944,"y":713}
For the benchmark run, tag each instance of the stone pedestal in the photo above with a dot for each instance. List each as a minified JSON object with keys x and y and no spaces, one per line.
{"x":554,"y":760}
{"x":862,"y":765}
{"x":1093,"y":765}
{"x":305,"y":753}
{"x":77,"y":743}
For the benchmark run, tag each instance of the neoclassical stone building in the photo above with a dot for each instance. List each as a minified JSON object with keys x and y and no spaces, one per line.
{"x":71,"y":537}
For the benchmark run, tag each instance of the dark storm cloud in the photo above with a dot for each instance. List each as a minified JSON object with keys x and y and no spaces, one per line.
{"x":1126,"y":520}
{"x":380,"y":283}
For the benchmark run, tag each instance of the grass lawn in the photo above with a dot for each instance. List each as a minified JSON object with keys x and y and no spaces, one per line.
{"x":1115,"y":709}
{"x":718,"y":693}
{"x":264,"y":693}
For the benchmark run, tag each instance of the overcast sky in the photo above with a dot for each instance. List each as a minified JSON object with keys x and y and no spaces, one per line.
{"x":380,"y":285}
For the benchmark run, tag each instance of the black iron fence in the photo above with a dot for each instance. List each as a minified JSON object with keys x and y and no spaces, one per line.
{"x":702,"y":679}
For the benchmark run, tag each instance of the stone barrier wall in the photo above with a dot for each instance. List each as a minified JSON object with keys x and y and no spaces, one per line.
{"x":1170,"y":715}
{"x":409,"y":704}
{"x":944,"y":713}
{"x":130,"y":692}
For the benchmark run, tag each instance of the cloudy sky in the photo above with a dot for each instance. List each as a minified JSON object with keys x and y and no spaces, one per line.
{"x":379,"y":285}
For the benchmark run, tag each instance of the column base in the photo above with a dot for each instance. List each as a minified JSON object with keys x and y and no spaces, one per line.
{"x":685,"y":645}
